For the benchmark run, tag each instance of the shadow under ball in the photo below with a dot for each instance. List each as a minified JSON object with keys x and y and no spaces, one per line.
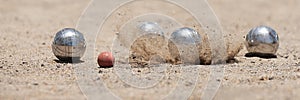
{"x":69,"y":45}
{"x":262,"y":39}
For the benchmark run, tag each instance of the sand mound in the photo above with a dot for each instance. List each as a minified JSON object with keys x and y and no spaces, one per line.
{"x":149,"y":46}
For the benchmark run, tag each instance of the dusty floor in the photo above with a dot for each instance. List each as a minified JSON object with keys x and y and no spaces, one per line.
{"x":29,"y":70}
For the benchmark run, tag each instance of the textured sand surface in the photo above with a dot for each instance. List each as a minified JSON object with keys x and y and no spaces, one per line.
{"x":29,"y":70}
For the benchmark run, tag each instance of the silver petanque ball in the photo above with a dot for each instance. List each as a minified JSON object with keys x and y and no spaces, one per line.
{"x":186,"y":36}
{"x":262,"y":39}
{"x":69,"y":45}
{"x":188,"y":43}
{"x":150,"y":28}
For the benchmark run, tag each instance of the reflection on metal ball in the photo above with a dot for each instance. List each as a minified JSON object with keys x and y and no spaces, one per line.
{"x":262,"y":39}
{"x":69,"y":45}
{"x":188,"y":44}
{"x":186,"y":36}
{"x":150,"y":28}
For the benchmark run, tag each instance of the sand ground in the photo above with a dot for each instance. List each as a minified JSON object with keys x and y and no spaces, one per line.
{"x":28,"y":69}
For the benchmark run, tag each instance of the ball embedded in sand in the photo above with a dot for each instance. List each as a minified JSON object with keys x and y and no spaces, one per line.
{"x":188,"y":42}
{"x":105,"y":59}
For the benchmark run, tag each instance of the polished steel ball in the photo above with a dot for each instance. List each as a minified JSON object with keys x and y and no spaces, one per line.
{"x":68,"y":45}
{"x":262,"y":39}
{"x":186,"y":36}
{"x":188,"y":45}
{"x":150,"y":28}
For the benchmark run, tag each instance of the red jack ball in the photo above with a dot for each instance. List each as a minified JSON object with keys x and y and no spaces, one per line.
{"x":106,"y":59}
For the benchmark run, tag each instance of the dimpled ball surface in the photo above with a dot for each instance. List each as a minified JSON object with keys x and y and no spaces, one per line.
{"x":262,"y":39}
{"x":68,"y":45}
